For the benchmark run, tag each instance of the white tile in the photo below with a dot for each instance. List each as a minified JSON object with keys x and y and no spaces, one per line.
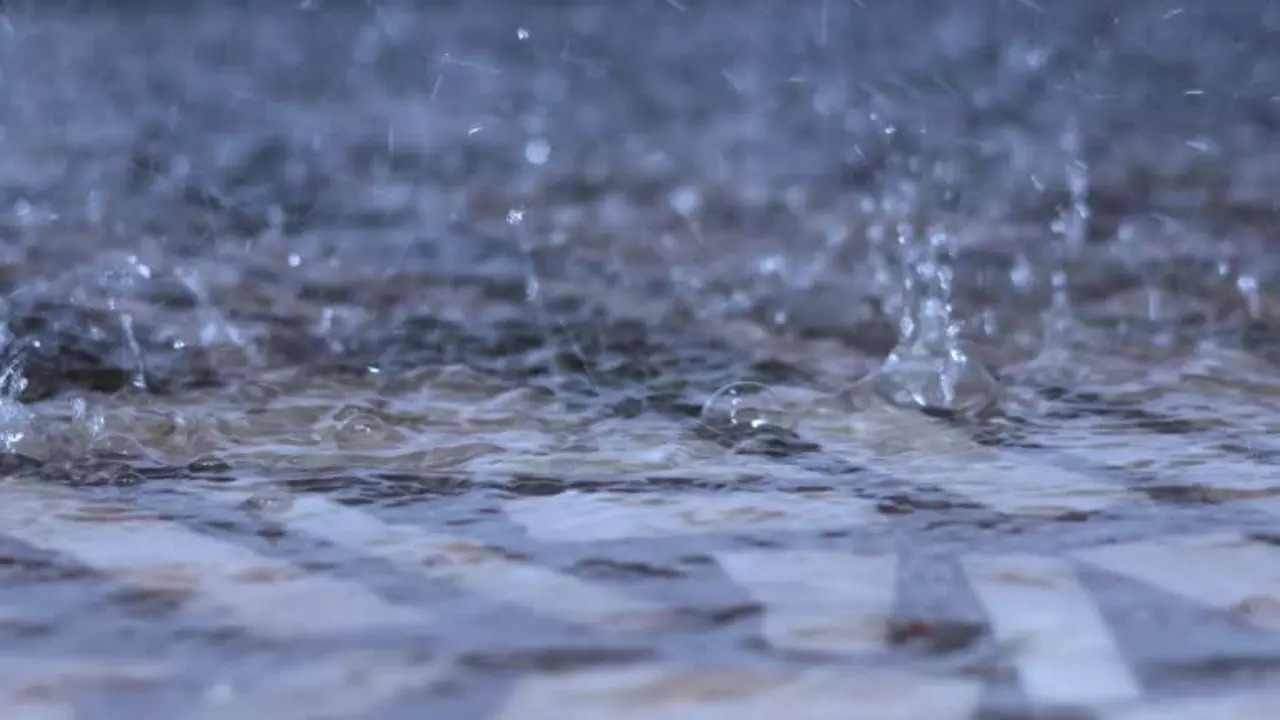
{"x":42,"y":688}
{"x":583,"y":517}
{"x":350,"y":686}
{"x":1225,"y":571}
{"x":1262,"y":704}
{"x":918,"y":449}
{"x":1058,"y":641}
{"x":1179,"y":458}
{"x":28,"y":708}
{"x":466,"y":563}
{"x":818,"y":601}
{"x":265,"y":595}
{"x":659,"y":693}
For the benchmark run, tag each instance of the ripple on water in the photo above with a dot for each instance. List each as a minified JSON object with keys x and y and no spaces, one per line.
{"x":304,"y":292}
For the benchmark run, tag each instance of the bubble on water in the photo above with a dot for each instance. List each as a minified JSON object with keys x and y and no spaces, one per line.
{"x":515,"y":216}
{"x":522,"y":33}
{"x":363,"y":427}
{"x":742,"y":407}
{"x":208,"y":464}
{"x":537,"y":151}
{"x":269,"y":500}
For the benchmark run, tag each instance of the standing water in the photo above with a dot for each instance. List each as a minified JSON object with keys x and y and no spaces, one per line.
{"x":648,"y":359}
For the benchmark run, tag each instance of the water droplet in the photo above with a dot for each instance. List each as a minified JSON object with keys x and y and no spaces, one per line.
{"x":742,"y":407}
{"x":95,"y":206}
{"x":522,"y":33}
{"x":686,"y":200}
{"x":537,"y":151}
{"x":771,"y":265}
{"x":1247,"y":286}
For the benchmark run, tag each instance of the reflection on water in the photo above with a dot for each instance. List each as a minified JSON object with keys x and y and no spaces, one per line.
{"x":651,"y":360}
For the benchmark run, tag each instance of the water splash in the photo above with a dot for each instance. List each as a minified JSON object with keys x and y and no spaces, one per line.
{"x":15,"y":419}
{"x":1072,"y":227}
{"x":1057,"y":361}
{"x":929,"y":367}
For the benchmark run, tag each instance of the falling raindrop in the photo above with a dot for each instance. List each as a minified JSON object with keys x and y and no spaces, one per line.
{"x":537,"y":151}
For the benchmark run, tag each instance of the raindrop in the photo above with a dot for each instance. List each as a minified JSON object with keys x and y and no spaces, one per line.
{"x":1247,"y":286}
{"x":95,"y":207}
{"x":537,"y":151}
{"x":686,"y":200}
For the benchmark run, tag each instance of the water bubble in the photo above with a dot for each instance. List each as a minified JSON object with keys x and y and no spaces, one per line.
{"x":743,"y":407}
{"x":522,"y":33}
{"x":515,"y":216}
{"x":362,"y":427}
{"x":537,"y":151}
{"x":121,"y":446}
{"x":271,"y":500}
{"x":208,"y":464}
